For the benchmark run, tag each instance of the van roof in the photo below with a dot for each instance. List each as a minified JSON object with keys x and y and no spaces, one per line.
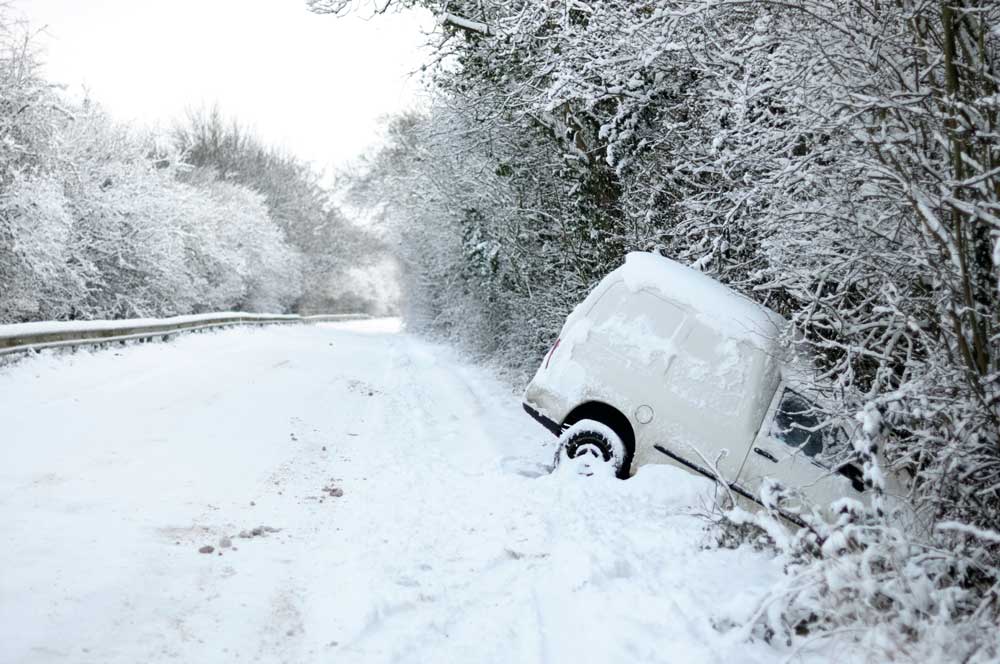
{"x":717,"y":305}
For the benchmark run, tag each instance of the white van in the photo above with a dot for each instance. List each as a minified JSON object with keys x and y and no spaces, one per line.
{"x":663,"y":364}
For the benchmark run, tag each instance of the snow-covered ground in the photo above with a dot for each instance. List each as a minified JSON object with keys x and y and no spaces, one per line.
{"x":403,"y":511}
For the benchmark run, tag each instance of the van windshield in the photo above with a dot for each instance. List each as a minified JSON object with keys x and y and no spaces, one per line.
{"x":799,"y":423}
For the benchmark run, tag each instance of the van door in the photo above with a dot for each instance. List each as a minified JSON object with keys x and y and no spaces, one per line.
{"x":795,"y":446}
{"x":706,"y":420}
{"x":628,"y":342}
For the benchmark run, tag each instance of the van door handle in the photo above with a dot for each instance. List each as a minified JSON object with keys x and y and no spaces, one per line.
{"x":767,"y":455}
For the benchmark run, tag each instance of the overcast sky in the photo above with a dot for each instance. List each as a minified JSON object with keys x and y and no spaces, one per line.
{"x":314,"y":84}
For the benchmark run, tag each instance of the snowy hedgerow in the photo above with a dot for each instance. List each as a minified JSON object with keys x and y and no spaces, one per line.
{"x":96,"y":223}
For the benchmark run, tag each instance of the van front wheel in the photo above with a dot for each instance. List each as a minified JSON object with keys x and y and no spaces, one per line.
{"x":590,"y":448}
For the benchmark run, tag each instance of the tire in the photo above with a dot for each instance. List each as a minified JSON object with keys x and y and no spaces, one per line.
{"x":590,"y":447}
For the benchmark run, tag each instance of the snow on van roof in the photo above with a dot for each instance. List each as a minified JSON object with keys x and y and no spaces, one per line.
{"x":726,"y":310}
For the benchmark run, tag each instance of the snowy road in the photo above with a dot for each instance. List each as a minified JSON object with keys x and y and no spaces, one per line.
{"x":117,"y":466}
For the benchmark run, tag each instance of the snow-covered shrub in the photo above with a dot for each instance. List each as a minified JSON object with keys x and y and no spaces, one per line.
{"x":125,"y":230}
{"x":328,"y":244}
{"x":35,"y":278}
{"x":30,"y":114}
{"x":38,"y":279}
{"x":269,"y":269}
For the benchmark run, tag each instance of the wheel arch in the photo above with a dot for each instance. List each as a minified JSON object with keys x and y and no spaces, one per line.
{"x":609,"y":416}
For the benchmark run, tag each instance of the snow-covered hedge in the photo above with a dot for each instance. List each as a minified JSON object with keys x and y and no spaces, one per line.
{"x":96,"y":223}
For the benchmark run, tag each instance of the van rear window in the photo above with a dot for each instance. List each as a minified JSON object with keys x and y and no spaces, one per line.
{"x":650,"y":312}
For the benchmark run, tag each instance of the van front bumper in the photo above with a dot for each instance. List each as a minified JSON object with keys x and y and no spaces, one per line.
{"x":546,"y":422}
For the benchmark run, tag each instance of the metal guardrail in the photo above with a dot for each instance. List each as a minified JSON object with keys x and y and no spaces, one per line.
{"x":121,"y":331}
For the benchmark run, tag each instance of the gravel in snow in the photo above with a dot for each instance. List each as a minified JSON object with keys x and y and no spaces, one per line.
{"x":410,"y":517}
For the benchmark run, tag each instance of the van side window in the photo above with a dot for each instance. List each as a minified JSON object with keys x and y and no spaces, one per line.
{"x":799,"y":424}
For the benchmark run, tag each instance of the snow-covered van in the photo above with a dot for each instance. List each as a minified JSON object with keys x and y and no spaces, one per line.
{"x":663,"y":364}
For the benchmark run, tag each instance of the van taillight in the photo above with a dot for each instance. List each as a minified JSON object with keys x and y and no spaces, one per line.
{"x":552,"y":352}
